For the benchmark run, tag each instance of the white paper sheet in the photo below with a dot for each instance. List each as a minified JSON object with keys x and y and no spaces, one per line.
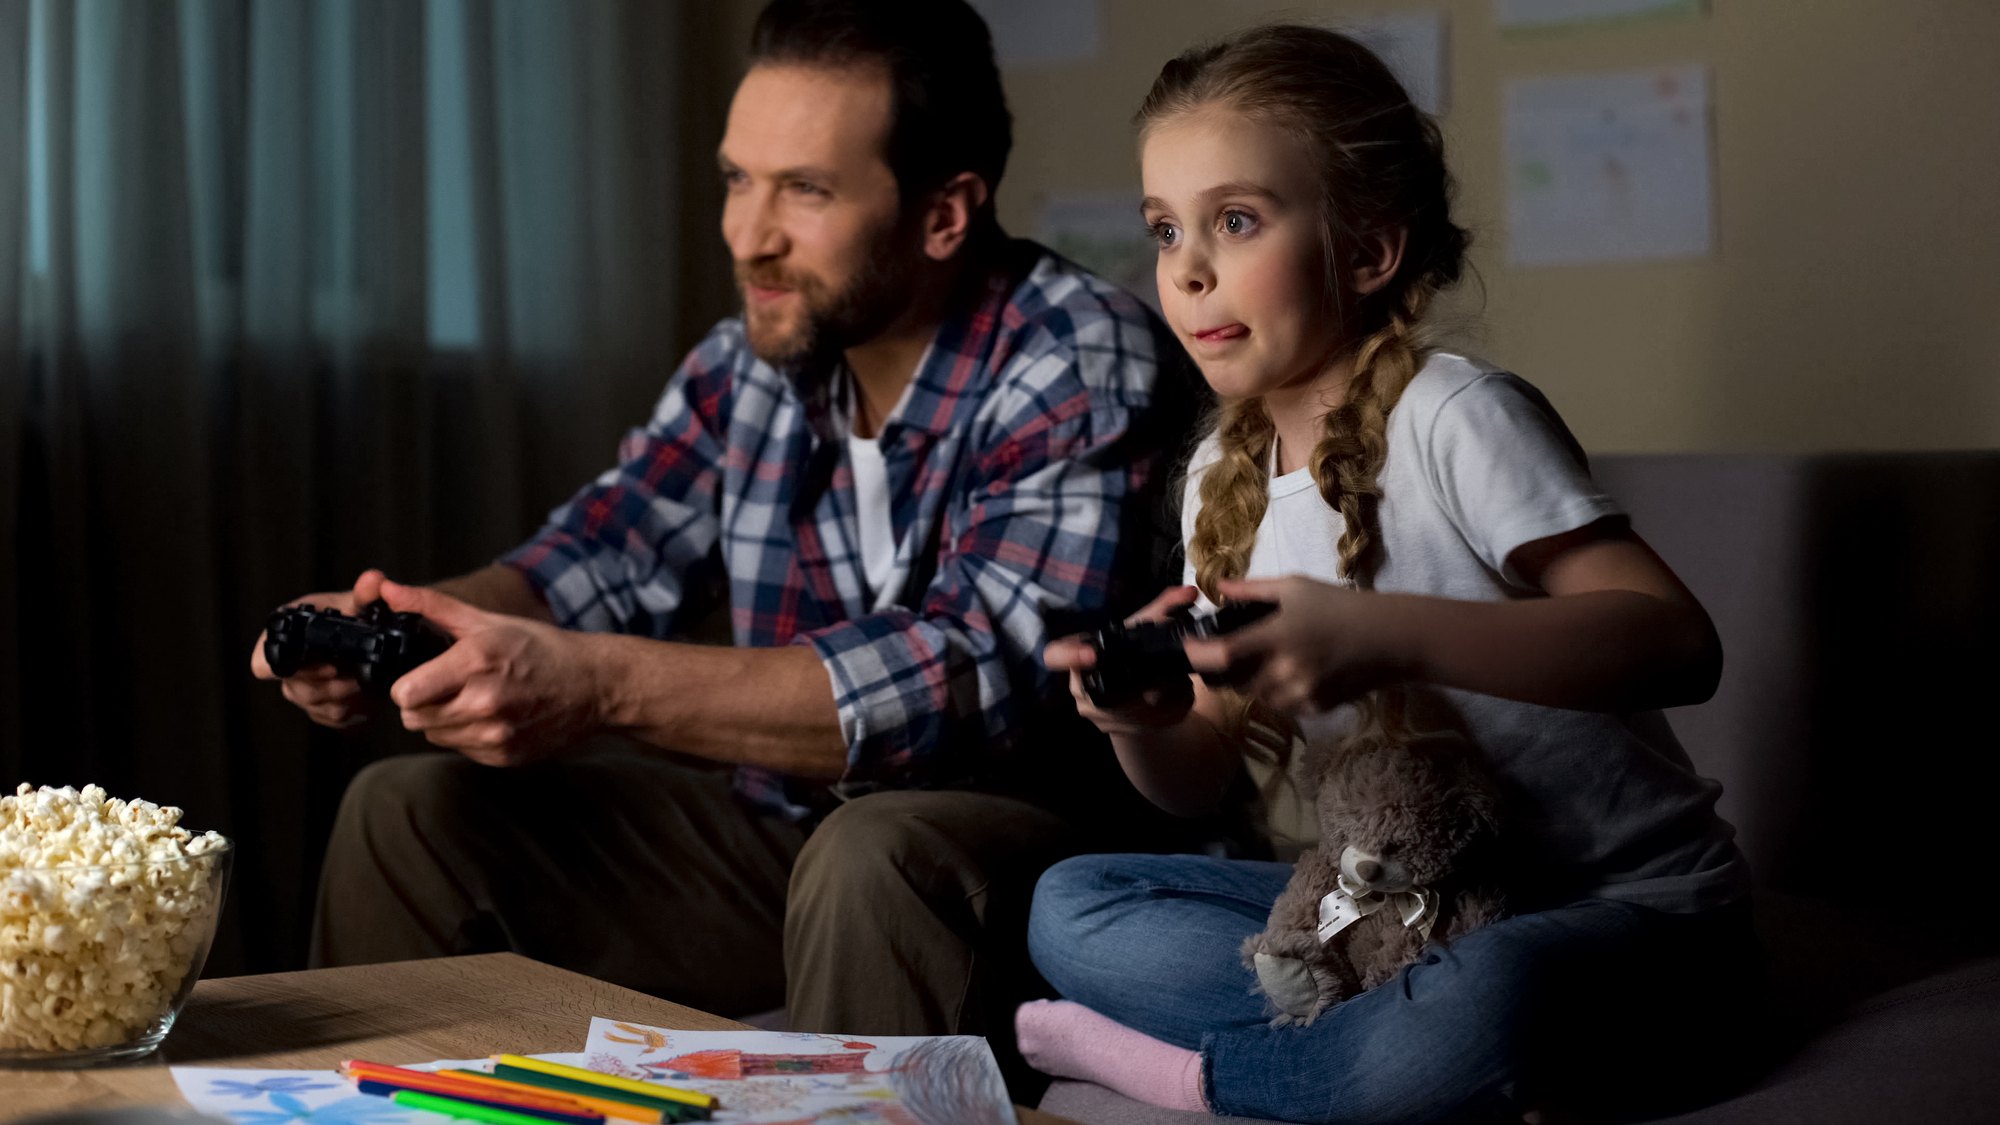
{"x":315,"y":1097}
{"x":1608,"y":168}
{"x":1523,"y":15}
{"x":795,"y":1076}
{"x":778,"y":1077}
{"x":1414,"y":46}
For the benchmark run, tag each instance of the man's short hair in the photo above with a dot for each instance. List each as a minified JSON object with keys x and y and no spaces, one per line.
{"x":949,"y":112}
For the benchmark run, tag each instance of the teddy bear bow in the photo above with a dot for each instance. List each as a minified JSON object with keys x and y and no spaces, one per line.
{"x":1353,"y":901}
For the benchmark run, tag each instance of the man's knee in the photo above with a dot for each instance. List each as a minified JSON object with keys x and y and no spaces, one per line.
{"x":875,"y":849}
{"x":385,"y":893}
{"x":410,"y":796}
{"x":907,"y":909}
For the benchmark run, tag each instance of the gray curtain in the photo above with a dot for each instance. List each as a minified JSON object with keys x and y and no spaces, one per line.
{"x":289,"y":288}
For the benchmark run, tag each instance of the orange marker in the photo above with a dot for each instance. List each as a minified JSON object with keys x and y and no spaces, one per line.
{"x":430,"y":1082}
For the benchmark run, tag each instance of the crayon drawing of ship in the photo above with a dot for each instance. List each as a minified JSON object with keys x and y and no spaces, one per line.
{"x":944,"y":1081}
{"x":730,"y":1064}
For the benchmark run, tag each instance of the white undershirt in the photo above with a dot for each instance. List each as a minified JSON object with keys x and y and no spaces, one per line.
{"x":871,"y":486}
{"x":871,"y":509}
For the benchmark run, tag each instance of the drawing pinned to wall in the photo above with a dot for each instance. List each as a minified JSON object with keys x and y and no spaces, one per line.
{"x":1414,"y":46}
{"x":1103,"y":233}
{"x":1608,"y":168}
{"x":1546,"y":15}
{"x":1043,"y":32}
{"x":796,"y":1078}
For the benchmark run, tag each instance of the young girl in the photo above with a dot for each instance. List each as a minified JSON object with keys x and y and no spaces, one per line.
{"x":1440,"y":558}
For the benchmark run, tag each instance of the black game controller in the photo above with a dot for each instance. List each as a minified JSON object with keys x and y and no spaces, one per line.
{"x":375,"y":646}
{"x":1146,"y":654}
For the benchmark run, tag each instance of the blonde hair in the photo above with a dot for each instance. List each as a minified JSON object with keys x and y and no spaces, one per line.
{"x":1381,"y":169}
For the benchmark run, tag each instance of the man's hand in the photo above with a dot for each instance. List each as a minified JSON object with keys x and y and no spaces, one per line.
{"x":508,"y":691}
{"x":1325,"y":645}
{"x":327,"y":697}
{"x":1162,"y":706}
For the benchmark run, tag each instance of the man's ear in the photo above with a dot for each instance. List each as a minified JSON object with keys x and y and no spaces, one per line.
{"x":1378,"y":258}
{"x":953,"y":209}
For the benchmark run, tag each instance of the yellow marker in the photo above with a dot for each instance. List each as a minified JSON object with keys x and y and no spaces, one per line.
{"x":609,"y":1081}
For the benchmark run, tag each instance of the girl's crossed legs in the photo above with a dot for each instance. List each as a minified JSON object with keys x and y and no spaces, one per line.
{"x":1573,"y":1007}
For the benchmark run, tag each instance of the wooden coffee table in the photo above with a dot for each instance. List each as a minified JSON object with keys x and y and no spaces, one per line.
{"x":409,"y":1011}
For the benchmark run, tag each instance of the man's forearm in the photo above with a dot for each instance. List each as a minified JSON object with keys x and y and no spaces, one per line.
{"x":498,"y":589}
{"x":767,"y":707}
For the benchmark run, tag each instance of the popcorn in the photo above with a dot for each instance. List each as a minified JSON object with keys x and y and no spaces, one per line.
{"x":103,"y":907}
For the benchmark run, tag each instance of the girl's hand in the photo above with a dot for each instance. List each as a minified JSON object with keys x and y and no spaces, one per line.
{"x":1324,"y":646}
{"x":1156,"y":707}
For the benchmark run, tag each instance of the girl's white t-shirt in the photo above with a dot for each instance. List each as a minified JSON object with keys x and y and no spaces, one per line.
{"x":1478,"y":465}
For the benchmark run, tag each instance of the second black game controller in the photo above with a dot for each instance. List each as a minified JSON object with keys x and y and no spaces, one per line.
{"x":1146,"y":654}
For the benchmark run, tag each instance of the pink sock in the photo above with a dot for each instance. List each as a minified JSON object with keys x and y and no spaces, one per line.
{"x":1066,"y":1039}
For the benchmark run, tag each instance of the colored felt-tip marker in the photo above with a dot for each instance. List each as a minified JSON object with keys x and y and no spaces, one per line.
{"x":610,"y":1081}
{"x":538,"y":1113}
{"x":669,"y":1111}
{"x":467,"y":1110}
{"x":432,"y":1082}
{"x":473,"y":1082}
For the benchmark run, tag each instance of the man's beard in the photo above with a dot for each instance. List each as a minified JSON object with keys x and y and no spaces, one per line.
{"x":829,"y":321}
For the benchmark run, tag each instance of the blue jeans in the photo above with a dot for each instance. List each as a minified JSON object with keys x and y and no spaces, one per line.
{"x":1597,"y":1007}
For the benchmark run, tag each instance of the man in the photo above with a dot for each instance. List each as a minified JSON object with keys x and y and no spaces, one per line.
{"x":919,"y":442}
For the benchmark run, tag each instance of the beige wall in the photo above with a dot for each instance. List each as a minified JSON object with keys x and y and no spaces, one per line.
{"x":1853,"y":297}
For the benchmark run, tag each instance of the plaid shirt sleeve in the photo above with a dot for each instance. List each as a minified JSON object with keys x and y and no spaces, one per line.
{"x":624,"y":553}
{"x":924,"y":695}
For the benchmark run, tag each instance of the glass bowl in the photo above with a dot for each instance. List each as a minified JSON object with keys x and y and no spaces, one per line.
{"x":97,"y":960}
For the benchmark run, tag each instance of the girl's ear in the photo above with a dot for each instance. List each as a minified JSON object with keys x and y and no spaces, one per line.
{"x":1377,"y":259}
{"x":953,"y":209}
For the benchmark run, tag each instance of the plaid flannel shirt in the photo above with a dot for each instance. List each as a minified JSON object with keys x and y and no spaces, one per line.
{"x":1010,"y":465}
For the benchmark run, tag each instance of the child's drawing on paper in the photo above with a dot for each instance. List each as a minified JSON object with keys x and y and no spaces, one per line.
{"x":247,"y":1096}
{"x":284,"y":1097}
{"x":1608,"y":167}
{"x":783,"y":1078}
{"x":858,"y":1115}
{"x":290,"y":1084}
{"x":651,"y":1038}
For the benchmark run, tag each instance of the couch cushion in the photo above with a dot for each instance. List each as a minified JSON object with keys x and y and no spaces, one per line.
{"x":1922,"y":1052}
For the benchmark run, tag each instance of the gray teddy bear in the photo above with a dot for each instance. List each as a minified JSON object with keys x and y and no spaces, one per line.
{"x":1408,"y":853}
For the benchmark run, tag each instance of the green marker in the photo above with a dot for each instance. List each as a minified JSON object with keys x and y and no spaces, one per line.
{"x":468,"y":1111}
